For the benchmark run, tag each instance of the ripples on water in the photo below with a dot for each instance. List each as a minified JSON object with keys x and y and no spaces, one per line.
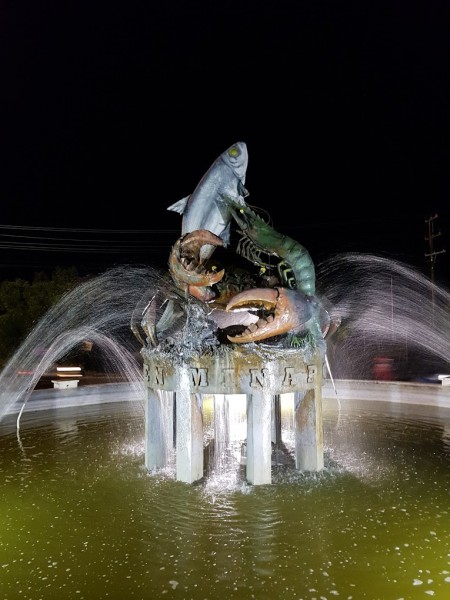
{"x":82,"y":518}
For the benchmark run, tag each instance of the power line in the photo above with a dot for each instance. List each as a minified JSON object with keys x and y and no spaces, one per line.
{"x":80,"y":230}
{"x":145,"y":240}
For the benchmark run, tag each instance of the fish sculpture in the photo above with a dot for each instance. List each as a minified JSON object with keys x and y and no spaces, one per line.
{"x":205,"y":225}
{"x":204,"y":208}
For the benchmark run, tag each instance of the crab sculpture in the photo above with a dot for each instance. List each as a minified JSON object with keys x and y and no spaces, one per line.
{"x":285,"y":310}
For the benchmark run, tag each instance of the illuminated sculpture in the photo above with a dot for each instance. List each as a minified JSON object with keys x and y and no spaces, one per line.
{"x":202,"y":335}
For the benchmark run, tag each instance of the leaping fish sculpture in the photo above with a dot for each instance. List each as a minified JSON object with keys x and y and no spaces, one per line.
{"x":204,"y":208}
{"x":206,"y":224}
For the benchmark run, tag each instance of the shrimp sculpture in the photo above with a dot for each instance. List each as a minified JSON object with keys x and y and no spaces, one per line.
{"x":291,"y":308}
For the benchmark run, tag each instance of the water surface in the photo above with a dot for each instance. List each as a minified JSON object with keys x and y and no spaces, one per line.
{"x":82,"y":518}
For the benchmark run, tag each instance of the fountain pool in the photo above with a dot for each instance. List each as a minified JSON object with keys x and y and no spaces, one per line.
{"x":83,"y":518}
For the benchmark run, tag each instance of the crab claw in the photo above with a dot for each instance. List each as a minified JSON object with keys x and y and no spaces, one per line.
{"x":282,"y":311}
{"x":187,"y":269}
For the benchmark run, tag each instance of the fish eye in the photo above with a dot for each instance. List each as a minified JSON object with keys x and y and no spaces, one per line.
{"x":233,"y":151}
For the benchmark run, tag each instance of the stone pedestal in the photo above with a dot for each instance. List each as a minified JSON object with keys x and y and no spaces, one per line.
{"x":176,"y":386}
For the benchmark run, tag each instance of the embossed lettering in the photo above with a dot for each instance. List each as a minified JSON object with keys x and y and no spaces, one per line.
{"x":159,"y":376}
{"x":312,"y":372}
{"x":199,"y":377}
{"x":258,"y":377}
{"x":288,"y":376}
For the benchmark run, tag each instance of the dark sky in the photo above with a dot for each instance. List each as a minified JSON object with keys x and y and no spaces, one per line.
{"x":110,"y":112}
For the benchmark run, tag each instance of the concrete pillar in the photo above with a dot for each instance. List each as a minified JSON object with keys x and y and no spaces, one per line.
{"x":308,"y":431}
{"x":259,"y":438}
{"x":156,"y":450}
{"x":189,"y":432}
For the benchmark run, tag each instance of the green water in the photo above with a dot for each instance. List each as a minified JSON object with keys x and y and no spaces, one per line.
{"x":81,"y":518}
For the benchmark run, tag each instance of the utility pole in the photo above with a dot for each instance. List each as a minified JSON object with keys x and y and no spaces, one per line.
{"x":432,"y":254}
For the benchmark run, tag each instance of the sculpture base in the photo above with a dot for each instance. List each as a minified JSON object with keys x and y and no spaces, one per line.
{"x":174,"y":408}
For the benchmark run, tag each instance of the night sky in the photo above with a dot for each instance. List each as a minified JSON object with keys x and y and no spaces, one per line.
{"x":110,"y":112}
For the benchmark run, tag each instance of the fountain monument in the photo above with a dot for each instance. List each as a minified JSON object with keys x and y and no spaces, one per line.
{"x":202,"y":335}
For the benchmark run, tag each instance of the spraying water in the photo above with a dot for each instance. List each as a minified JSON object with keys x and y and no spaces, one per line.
{"x":98,"y":310}
{"x":387,"y":308}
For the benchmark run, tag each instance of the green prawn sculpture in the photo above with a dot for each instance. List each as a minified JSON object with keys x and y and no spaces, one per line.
{"x":291,"y":308}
